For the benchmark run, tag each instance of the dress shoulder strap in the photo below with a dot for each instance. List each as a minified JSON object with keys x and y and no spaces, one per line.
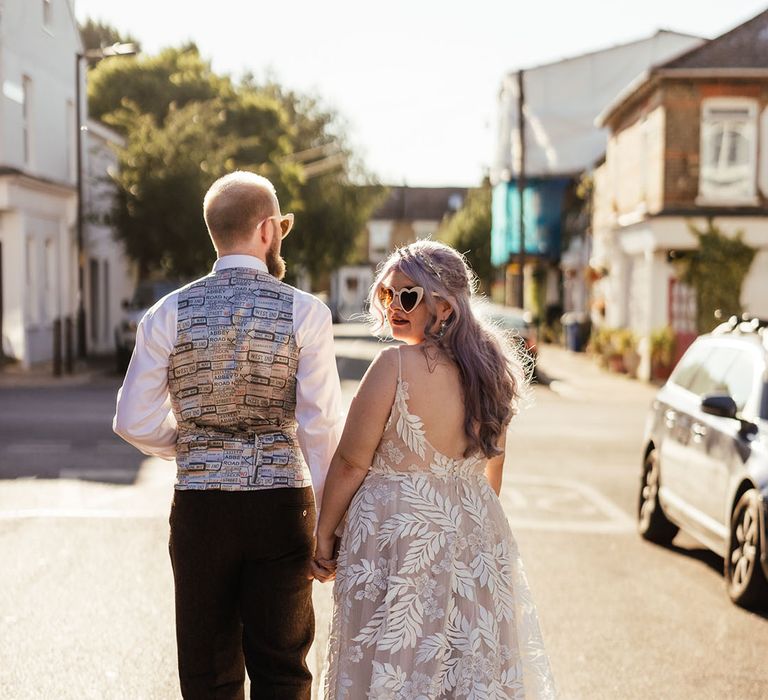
{"x":399,"y":364}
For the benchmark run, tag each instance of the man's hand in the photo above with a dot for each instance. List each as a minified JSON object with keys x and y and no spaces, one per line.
{"x":324,"y":570}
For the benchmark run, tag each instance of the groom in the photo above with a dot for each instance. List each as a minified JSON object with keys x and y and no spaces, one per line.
{"x":234,"y":377}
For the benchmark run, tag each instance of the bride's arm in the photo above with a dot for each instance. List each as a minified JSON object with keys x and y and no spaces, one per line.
{"x":365,"y":424}
{"x":494,"y":468}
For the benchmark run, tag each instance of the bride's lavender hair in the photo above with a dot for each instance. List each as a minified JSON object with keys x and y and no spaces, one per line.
{"x":493,"y":374}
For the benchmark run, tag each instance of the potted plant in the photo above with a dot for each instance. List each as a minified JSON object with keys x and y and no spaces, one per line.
{"x":662,"y":344}
{"x":626,"y":345}
{"x":599,"y":344}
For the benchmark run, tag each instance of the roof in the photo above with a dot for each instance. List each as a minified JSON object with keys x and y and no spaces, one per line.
{"x":420,"y":203}
{"x":745,"y":46}
{"x":10,"y":171}
{"x":740,"y":52}
{"x":562,"y":100}
{"x":610,"y":49}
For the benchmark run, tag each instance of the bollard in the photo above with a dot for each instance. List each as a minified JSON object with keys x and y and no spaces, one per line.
{"x":68,"y":349}
{"x":57,"y":367}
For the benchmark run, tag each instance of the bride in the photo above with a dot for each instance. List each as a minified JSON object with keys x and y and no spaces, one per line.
{"x":430,"y":599}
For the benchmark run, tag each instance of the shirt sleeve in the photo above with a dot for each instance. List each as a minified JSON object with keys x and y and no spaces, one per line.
{"x":318,"y":391}
{"x":143,"y":416}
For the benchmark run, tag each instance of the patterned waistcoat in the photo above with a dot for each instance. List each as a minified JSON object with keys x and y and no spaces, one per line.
{"x":232,"y":381}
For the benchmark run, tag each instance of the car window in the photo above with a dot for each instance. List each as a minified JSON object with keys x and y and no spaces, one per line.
{"x":710,"y":376}
{"x":690,"y":363}
{"x":739,"y":379}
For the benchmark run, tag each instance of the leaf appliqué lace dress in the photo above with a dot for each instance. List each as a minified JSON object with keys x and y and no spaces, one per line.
{"x":430,"y":599}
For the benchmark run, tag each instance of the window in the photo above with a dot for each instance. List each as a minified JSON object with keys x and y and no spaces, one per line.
{"x":728,"y":150}
{"x":26,"y":118}
{"x":106,"y":304}
{"x":93,"y":269}
{"x":71,"y":146}
{"x":740,"y":379}
{"x":690,"y":363}
{"x":380,"y":238}
{"x":710,"y":377}
{"x":49,"y":280}
{"x":31,"y":277}
{"x":47,"y":13}
{"x":717,"y":370}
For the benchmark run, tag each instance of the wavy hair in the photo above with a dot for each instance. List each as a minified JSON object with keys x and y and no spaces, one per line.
{"x":492,"y":371}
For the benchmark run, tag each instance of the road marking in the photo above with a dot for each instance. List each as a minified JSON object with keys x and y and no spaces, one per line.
{"x":99,"y":474}
{"x":38,"y":447}
{"x":562,"y":505}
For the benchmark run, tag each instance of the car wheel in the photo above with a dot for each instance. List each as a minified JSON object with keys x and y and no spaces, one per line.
{"x":651,"y":521}
{"x":743,"y":571}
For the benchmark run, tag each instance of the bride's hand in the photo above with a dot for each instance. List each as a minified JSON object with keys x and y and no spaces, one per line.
{"x":324,"y":561}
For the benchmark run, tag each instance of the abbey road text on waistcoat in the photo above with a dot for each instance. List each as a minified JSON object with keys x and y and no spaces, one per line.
{"x":232,"y":381}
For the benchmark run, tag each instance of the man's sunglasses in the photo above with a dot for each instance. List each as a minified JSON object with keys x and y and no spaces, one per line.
{"x":286,"y":222}
{"x":408,"y":297}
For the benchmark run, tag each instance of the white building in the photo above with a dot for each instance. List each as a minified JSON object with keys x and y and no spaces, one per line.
{"x":688,"y":145}
{"x":109,"y":279}
{"x":39,"y":44}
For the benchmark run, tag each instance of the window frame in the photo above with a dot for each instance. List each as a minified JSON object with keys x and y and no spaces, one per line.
{"x":710,"y":193}
{"x":48,"y":14}
{"x":27,"y":120}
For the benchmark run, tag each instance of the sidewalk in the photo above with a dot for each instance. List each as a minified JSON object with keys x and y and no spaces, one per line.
{"x":13,"y":375}
{"x":576,"y":375}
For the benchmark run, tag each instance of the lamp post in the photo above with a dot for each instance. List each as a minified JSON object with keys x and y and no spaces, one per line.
{"x":89,"y":55}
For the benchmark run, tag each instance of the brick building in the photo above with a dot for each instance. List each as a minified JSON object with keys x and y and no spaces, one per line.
{"x":688,"y":143}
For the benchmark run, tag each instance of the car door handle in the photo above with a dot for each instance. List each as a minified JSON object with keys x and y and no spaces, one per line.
{"x":699,"y":431}
{"x":670,"y":417}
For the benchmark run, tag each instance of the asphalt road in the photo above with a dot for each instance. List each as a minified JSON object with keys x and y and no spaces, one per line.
{"x":86,"y":597}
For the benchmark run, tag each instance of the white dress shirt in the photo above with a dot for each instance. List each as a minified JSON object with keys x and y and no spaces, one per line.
{"x":144,"y":417}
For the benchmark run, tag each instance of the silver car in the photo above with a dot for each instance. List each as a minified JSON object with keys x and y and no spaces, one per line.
{"x":145,"y":296}
{"x":705,"y":460}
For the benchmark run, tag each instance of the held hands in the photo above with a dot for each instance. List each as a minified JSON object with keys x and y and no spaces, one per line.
{"x":324,"y":561}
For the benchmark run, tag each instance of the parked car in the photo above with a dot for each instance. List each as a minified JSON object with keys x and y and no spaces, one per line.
{"x":705,"y":460}
{"x":519,"y":321}
{"x":146,"y":294}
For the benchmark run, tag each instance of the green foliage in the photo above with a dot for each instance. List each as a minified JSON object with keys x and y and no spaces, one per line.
{"x":469,"y":231}
{"x":663,"y":343}
{"x":716,"y":270}
{"x":97,"y":35}
{"x":612,"y":342}
{"x":333,"y":208}
{"x":175,"y":76}
{"x":185,"y":126}
{"x":165,"y":171}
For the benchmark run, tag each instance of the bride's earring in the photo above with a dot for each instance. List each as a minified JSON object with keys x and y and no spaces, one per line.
{"x":441,"y":330}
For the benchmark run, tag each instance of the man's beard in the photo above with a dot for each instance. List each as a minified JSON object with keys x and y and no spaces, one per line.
{"x":275,"y":263}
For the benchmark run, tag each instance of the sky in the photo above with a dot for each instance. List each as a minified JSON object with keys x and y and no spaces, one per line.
{"x":415,"y":81}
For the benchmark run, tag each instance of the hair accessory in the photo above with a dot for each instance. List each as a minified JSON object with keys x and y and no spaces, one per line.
{"x":429,"y":264}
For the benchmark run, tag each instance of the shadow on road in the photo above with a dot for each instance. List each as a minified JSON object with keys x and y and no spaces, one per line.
{"x":714,"y":562}
{"x":64,"y":431}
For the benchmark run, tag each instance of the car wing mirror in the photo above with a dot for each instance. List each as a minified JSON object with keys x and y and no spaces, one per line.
{"x":721,"y":405}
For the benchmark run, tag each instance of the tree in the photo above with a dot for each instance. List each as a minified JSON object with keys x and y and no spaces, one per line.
{"x":337,"y":194}
{"x":469,"y":231}
{"x":716,"y":270}
{"x":97,"y":35}
{"x":185,"y":126}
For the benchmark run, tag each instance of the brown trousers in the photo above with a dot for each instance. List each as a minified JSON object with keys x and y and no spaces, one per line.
{"x":243,"y":597}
